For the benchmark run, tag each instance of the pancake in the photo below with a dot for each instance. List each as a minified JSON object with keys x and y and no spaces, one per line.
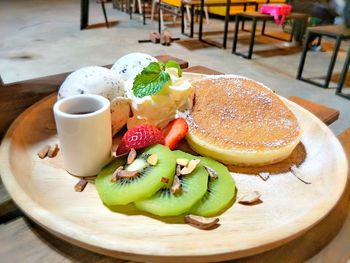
{"x":239,"y":121}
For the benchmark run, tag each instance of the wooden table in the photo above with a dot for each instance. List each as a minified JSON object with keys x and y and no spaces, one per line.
{"x":22,"y":239}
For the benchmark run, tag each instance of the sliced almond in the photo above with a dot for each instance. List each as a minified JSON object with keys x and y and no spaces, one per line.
{"x":201,"y":222}
{"x":178,"y":170}
{"x":264,"y":176}
{"x":164,"y":180}
{"x":176,"y":187}
{"x":182,"y":161}
{"x":251,"y":198}
{"x":153,"y":159}
{"x":212,"y":173}
{"x":190,"y":167}
{"x":131,"y":156}
{"x":51,"y":126}
{"x":53,"y":151}
{"x":298,"y":174}
{"x":80,"y":186}
{"x":127,"y":174}
{"x":44,"y":151}
{"x":115,"y":174}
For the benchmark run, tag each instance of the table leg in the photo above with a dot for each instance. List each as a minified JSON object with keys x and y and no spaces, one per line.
{"x":182,"y":18}
{"x":235,"y":36}
{"x":332,"y":63}
{"x":192,"y":21}
{"x":252,"y":38}
{"x":159,"y":13}
{"x":227,"y":20}
{"x":303,"y":55}
{"x":84,"y":14}
{"x":344,"y":72}
{"x":144,"y":11}
{"x":200,"y":20}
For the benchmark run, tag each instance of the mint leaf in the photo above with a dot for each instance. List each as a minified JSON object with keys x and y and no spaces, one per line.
{"x":174,"y":64}
{"x":151,"y":80}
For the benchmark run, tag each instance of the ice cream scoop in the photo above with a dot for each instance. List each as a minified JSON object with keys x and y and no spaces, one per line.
{"x":100,"y":81}
{"x":132,"y":64}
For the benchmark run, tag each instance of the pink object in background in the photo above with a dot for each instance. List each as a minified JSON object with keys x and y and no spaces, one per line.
{"x":278,"y":11}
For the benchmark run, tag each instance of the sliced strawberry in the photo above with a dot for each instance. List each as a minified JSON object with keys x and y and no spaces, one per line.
{"x":174,"y":132}
{"x":140,"y":137}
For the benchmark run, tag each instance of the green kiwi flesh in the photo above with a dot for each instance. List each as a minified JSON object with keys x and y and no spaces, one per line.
{"x":145,"y":184}
{"x":220,"y":193}
{"x":166,"y":203}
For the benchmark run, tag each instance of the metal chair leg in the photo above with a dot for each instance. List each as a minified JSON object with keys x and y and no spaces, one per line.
{"x":235,"y":36}
{"x":104,"y":13}
{"x":303,"y":56}
{"x":332,"y":63}
{"x":343,"y":75}
{"x":252,"y":38}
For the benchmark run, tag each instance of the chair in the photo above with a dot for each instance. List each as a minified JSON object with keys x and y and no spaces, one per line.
{"x":173,"y":7}
{"x":337,"y":32}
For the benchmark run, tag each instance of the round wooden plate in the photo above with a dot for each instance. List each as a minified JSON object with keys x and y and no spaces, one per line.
{"x":45,"y":192}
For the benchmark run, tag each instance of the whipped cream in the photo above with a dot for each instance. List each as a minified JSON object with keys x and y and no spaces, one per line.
{"x":161,"y":108}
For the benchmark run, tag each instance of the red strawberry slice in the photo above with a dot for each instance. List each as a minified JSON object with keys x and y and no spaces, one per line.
{"x":174,"y":132}
{"x":140,"y":137}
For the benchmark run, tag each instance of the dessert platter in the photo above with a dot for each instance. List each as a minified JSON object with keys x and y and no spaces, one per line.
{"x":204,"y":168}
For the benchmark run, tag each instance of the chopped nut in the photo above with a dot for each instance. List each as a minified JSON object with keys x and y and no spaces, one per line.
{"x":201,"y":222}
{"x":182,"y":161}
{"x":190,"y":167}
{"x":153,"y":159}
{"x":131,"y":156}
{"x":212,"y":173}
{"x":53,"y":151}
{"x":178,"y":170}
{"x":176,"y":187}
{"x":296,"y":172}
{"x":127,"y":174}
{"x":251,"y":198}
{"x":115,"y":174}
{"x":80,"y":186}
{"x":164,"y":180}
{"x":264,"y":176}
{"x":51,"y":126}
{"x":44,"y":151}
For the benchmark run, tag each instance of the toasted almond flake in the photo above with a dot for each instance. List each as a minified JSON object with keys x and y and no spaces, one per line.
{"x":115,"y":174}
{"x":190,"y":167}
{"x":201,"y":222}
{"x":51,"y":126}
{"x":176,"y":187}
{"x":53,"y":151}
{"x":153,"y":159}
{"x":131,"y":156}
{"x":164,"y":180}
{"x":298,"y":174}
{"x":44,"y":151}
{"x":251,"y":198}
{"x":80,"y":186}
{"x":264,"y":176}
{"x":178,"y":170}
{"x":212,"y":173}
{"x":182,"y":161}
{"x":127,"y":174}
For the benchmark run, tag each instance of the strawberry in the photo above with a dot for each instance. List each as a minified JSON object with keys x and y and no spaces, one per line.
{"x":139,"y":137}
{"x":174,"y":132}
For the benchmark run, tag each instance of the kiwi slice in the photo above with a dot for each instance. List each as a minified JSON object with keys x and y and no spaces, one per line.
{"x":220,"y":193}
{"x":148,"y":181}
{"x":166,"y":203}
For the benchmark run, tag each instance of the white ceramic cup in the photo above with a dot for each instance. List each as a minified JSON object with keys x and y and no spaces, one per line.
{"x":84,"y":132}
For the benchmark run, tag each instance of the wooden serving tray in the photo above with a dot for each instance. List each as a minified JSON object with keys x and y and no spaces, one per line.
{"x":45,"y":192}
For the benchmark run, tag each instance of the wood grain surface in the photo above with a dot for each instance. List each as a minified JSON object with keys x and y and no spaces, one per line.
{"x":288,"y":209}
